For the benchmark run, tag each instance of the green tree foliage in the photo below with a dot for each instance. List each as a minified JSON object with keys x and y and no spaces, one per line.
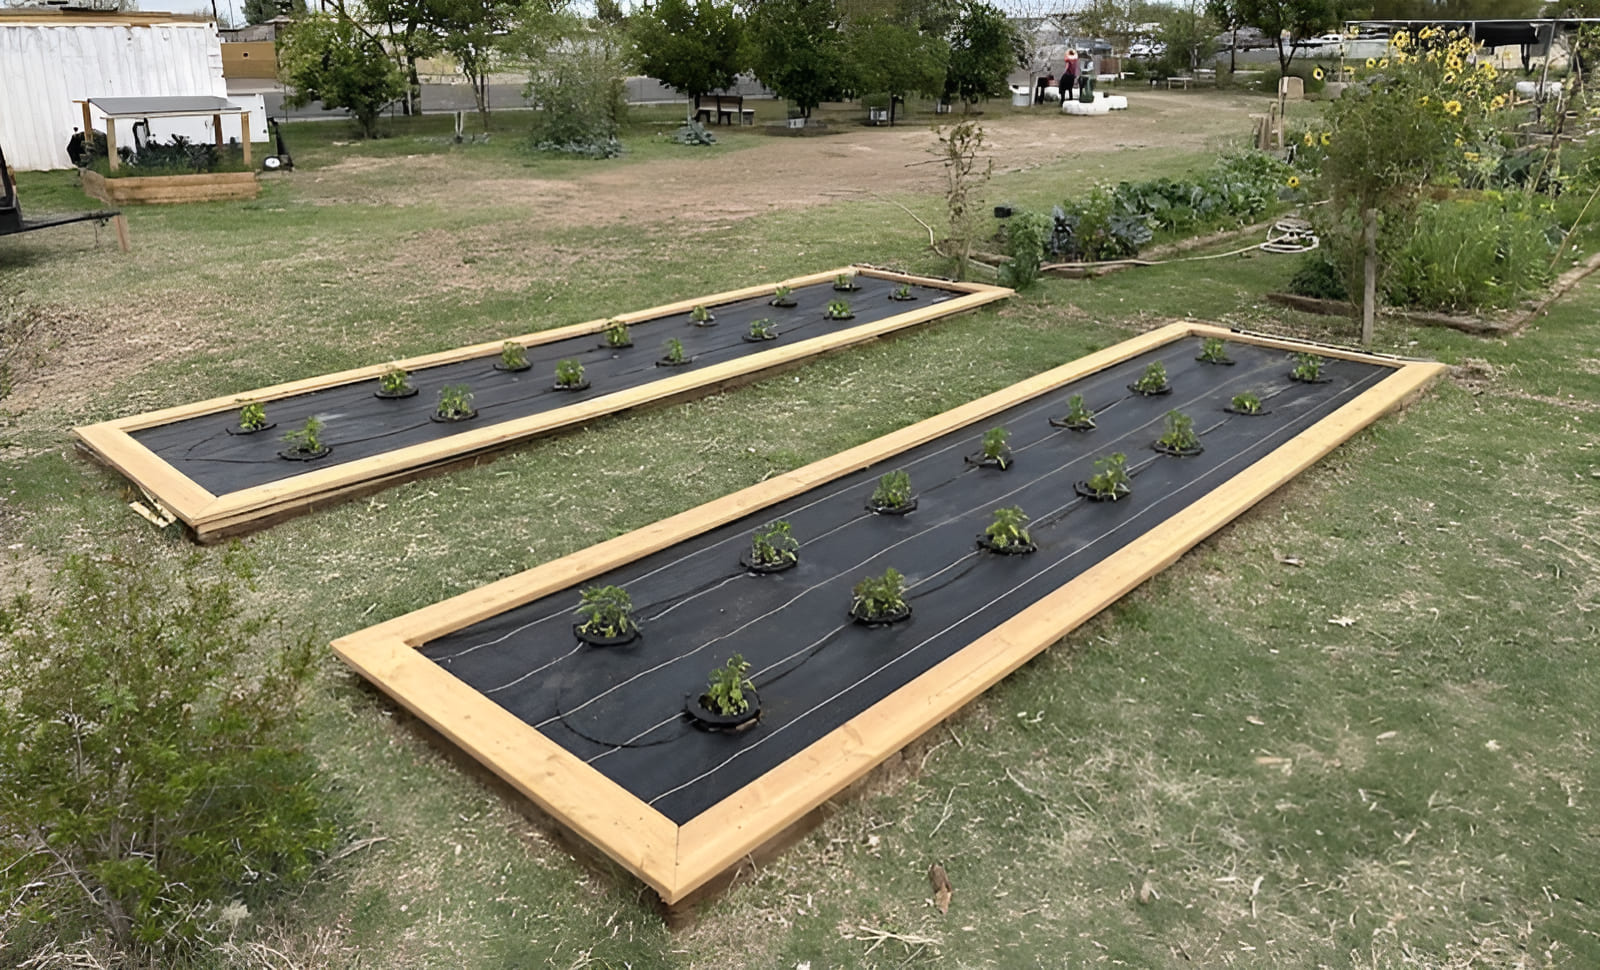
{"x":150,"y":768}
{"x":1454,"y":9}
{"x":984,"y":49}
{"x":413,"y":37}
{"x":799,"y":50}
{"x":897,"y":59}
{"x":695,"y":46}
{"x":472,"y":31}
{"x":1190,"y":33}
{"x":1301,"y":18}
{"x":331,"y":59}
{"x":261,"y":11}
{"x":575,"y":83}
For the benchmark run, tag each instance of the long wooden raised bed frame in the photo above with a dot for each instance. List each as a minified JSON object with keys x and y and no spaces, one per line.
{"x":676,"y":860}
{"x":202,"y":187}
{"x":211,"y":517}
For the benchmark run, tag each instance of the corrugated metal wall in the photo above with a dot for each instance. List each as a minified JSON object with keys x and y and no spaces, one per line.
{"x":43,"y":68}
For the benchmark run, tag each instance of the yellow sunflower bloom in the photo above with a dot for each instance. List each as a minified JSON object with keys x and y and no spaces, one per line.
{"x":1383,"y":62}
{"x":1459,"y":142}
{"x":1449,"y":77}
{"x":1498,"y":102}
{"x":1424,"y":101}
{"x":1327,"y":138}
{"x":1452,"y":107}
{"x":1452,"y":63}
{"x":1309,"y":139}
{"x":1470,"y":156}
{"x":1294,"y":182}
{"x":1372,"y":62}
{"x":1316,"y":72}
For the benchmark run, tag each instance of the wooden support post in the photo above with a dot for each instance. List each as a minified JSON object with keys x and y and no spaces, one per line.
{"x":111,"y":142}
{"x":120,"y":222}
{"x":88,"y":125}
{"x":244,"y":135}
{"x":216,"y":129}
{"x":1369,"y":282}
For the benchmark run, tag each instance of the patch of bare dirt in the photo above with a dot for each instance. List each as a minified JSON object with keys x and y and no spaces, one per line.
{"x":783,"y":173}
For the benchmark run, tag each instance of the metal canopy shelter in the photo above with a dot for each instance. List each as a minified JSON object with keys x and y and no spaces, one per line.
{"x":116,"y":109}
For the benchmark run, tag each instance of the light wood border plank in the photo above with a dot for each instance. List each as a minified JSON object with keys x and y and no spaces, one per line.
{"x":208,"y":515}
{"x":718,"y":838}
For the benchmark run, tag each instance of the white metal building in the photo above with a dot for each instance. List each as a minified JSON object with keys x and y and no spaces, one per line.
{"x":51,"y":57}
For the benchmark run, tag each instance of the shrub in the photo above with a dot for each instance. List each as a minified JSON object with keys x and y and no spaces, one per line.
{"x":578,"y":88}
{"x":1464,"y":254}
{"x":1026,"y":236}
{"x":150,"y":759}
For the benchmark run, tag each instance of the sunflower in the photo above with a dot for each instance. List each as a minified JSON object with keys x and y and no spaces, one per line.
{"x":1452,"y":107}
{"x":1383,"y":62}
{"x":1309,"y":139}
{"x":1294,"y":182}
{"x":1372,"y":62}
{"x":1316,"y":72}
{"x":1449,"y":77}
{"x":1424,"y":101}
{"x":1498,"y":102}
{"x":1470,"y":156}
{"x":1327,"y":139}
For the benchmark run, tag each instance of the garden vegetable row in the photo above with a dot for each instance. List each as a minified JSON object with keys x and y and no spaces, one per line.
{"x":854,"y":607}
{"x":239,"y":462}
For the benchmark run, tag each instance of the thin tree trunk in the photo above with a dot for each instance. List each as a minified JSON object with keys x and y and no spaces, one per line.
{"x":1369,"y":282}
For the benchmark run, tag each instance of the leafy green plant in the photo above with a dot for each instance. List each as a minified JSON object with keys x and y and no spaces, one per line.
{"x":455,"y":402}
{"x":878,"y":597}
{"x":513,"y":356}
{"x":1307,"y":367}
{"x":1246,"y":402}
{"x":394,"y":381}
{"x":902,"y":293}
{"x":782,"y":296}
{"x":1178,"y":432}
{"x":994,"y":447}
{"x":151,"y":755}
{"x":569,"y":373}
{"x":838,"y":310}
{"x":774,"y":545}
{"x":1110,"y":480}
{"x":845,"y":282}
{"x":1153,"y":380}
{"x":333,"y":60}
{"x":605,"y":611}
{"x":617,"y":335}
{"x":893,"y":490}
{"x":727,"y":687}
{"x":1008,"y":528}
{"x":1078,"y":414}
{"x":762,"y":329}
{"x":1027,"y":234}
{"x":253,"y":416}
{"x":1214,"y":350}
{"x":674,"y":354}
{"x":700,"y":316}
{"x":307,"y":439}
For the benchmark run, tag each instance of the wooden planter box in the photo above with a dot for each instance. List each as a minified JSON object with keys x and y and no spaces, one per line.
{"x":211,"y":187}
{"x":214,"y":509}
{"x":831,"y":723}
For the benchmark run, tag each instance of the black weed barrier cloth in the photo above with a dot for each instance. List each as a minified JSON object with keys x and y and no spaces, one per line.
{"x":621,"y":708}
{"x":358,"y":425}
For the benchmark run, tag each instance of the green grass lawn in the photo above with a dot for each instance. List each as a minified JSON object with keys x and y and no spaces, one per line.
{"x":1354,"y":729}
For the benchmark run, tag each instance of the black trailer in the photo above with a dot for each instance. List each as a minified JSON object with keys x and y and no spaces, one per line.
{"x":12,"y":222}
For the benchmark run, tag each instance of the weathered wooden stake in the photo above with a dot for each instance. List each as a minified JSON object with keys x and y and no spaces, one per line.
{"x":1369,"y":283}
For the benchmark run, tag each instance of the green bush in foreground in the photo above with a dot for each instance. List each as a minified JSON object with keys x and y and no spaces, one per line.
{"x":150,"y":768}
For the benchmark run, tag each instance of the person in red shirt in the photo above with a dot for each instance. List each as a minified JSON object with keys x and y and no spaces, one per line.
{"x":1069,"y":80}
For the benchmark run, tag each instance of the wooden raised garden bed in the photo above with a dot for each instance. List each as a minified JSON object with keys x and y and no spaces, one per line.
{"x":207,"y":187}
{"x":193,"y":462}
{"x":599,"y":737}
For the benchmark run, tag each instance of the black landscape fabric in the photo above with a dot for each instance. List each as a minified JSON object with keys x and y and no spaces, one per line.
{"x":358,"y":425}
{"x":621,"y":708}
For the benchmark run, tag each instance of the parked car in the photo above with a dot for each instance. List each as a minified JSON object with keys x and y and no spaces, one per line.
{"x":1245,"y":39}
{"x":1147,"y":48}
